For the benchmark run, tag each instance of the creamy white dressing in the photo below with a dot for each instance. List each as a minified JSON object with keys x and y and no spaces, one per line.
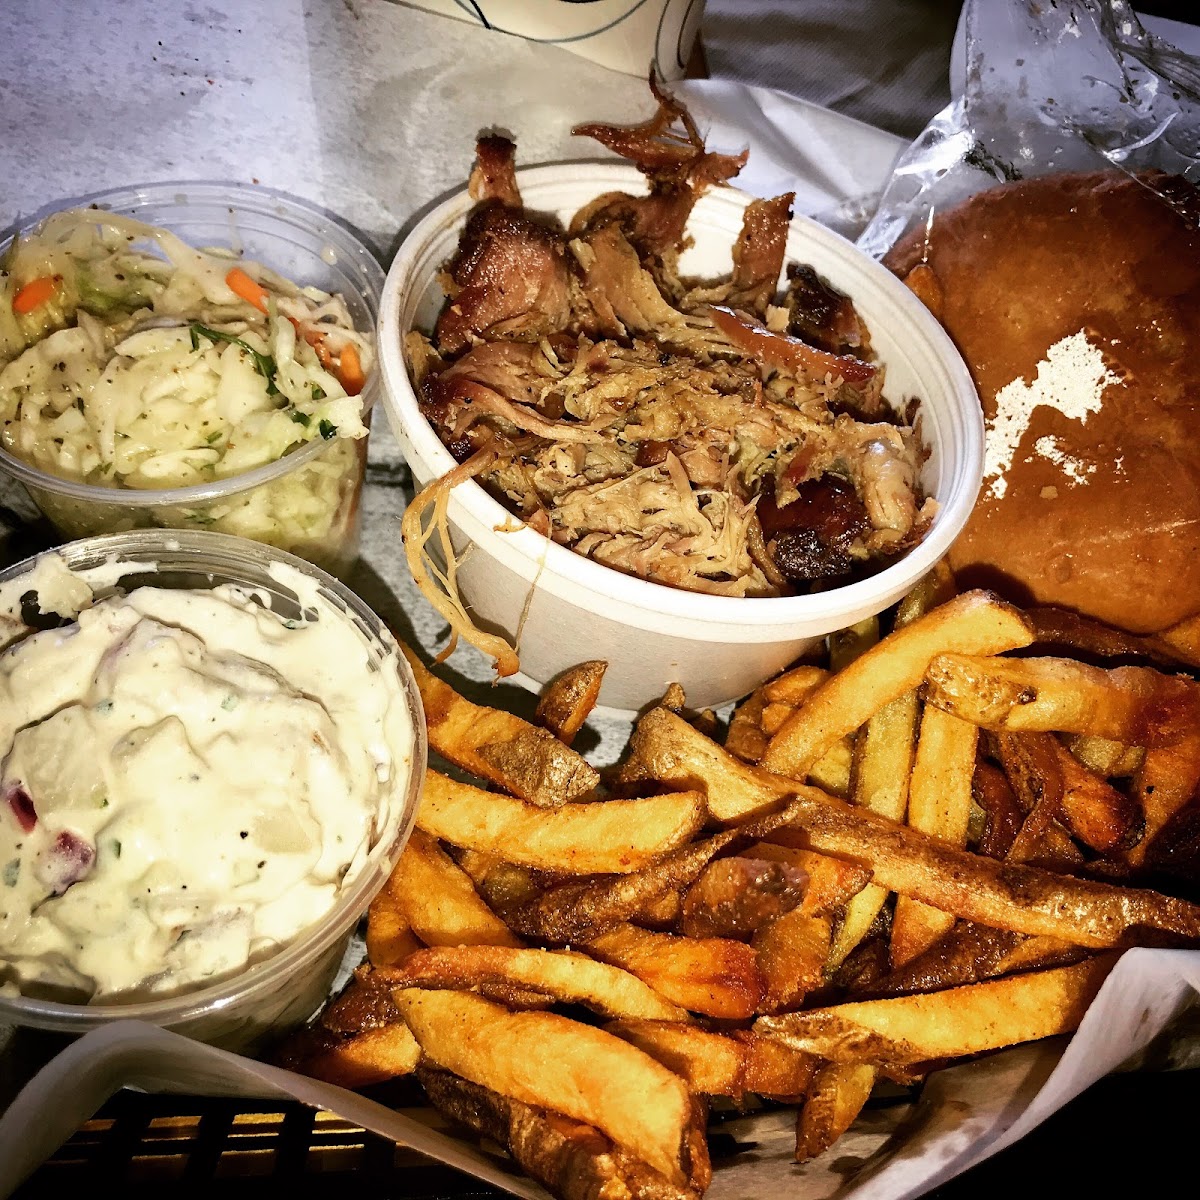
{"x":188,"y":781}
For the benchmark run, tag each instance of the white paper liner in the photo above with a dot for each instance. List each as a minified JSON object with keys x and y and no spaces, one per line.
{"x":964,"y":1115}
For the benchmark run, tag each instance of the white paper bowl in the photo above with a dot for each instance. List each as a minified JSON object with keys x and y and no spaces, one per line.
{"x":651,"y":635}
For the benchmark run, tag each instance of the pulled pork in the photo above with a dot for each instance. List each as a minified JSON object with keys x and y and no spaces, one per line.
{"x":718,"y":436}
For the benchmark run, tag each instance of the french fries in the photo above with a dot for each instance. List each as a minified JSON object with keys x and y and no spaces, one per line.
{"x":906,"y":859}
{"x":544,"y":1059}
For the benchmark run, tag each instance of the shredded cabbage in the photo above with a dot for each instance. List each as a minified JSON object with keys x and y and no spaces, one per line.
{"x":144,"y":369}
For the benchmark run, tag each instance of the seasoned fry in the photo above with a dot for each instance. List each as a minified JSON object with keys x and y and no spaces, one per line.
{"x":732,"y":897}
{"x":1126,"y":704}
{"x":372,"y":1056}
{"x":1004,"y":895}
{"x":973,"y":623}
{"x":1168,"y":778}
{"x":498,"y":746}
{"x":836,"y":1097}
{"x":970,"y":953}
{"x":744,"y":738}
{"x":552,"y":1062}
{"x":577,"y":839}
{"x":568,"y":700}
{"x":567,"y":977}
{"x":665,"y":749}
{"x":439,"y":901}
{"x":990,"y":790}
{"x":721,"y":1064}
{"x":939,"y":804}
{"x":573,"y":912}
{"x":792,"y":953}
{"x":713,"y":976}
{"x":575,"y":1161}
{"x":390,"y":939}
{"x":947,"y":1024}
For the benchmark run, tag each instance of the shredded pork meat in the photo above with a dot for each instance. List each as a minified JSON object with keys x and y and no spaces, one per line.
{"x":717,"y":436}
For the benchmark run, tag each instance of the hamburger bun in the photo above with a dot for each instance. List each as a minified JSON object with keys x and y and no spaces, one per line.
{"x":1075,"y":301}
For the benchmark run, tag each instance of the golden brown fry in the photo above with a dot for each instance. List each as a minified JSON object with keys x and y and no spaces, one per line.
{"x":567,"y":977}
{"x":1001,"y":894}
{"x":835,"y":1098}
{"x":973,"y":623}
{"x":552,"y":1062}
{"x":665,"y":749}
{"x":390,"y":939}
{"x":567,"y":700}
{"x":577,"y":839}
{"x":1183,"y":640}
{"x":732,"y":897}
{"x":1097,"y":813}
{"x":713,"y":976}
{"x":498,"y":746}
{"x":851,"y":643}
{"x":721,"y":1064}
{"x":1002,"y":816}
{"x":792,"y":953}
{"x":373,"y":1056}
{"x":439,"y":902}
{"x":575,"y":1161}
{"x":573,"y":912}
{"x":1168,"y":778}
{"x":794,"y":687}
{"x":745,"y":738}
{"x":939,"y":804}
{"x":1135,"y":705}
{"x":948,"y":1024}
{"x":970,"y":953}
{"x":832,"y":882}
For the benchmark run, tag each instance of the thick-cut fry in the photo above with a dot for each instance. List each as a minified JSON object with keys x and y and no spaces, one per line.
{"x":732,"y":897}
{"x":948,"y":1024}
{"x":1097,"y":813}
{"x":794,"y":687}
{"x":575,"y":1161}
{"x":665,"y":749}
{"x":498,"y":746}
{"x":970,"y":953}
{"x":615,"y":836}
{"x":792,"y":953}
{"x":390,"y":939}
{"x":744,"y":738}
{"x":721,"y":1064}
{"x":835,"y":1098}
{"x":939,"y":804}
{"x":439,"y":902}
{"x":713,"y":976}
{"x":552,"y":1062}
{"x":1004,"y":895}
{"x":1167,"y":779}
{"x":832,"y":882}
{"x":1126,"y":704}
{"x":1002,"y":815}
{"x":372,"y":1056}
{"x":567,"y":977}
{"x":846,"y":645}
{"x":573,"y":912}
{"x":973,"y":623}
{"x":883,"y":765}
{"x":567,"y":700}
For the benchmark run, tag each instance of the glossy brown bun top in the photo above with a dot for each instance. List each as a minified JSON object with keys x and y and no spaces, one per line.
{"x":1104,"y":519}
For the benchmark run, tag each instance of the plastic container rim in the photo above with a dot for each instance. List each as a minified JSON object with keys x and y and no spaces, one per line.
{"x":65,"y":1017}
{"x":244,"y":198}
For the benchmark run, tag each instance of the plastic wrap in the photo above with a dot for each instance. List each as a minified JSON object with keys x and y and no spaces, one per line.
{"x":1072,"y":85}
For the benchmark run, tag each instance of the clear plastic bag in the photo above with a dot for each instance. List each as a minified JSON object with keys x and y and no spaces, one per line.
{"x":1051,"y":86}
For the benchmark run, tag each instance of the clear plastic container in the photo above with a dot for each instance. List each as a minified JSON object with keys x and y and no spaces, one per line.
{"x":281,"y":991}
{"x":306,"y":502}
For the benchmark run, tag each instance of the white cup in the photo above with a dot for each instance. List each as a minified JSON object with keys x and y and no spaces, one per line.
{"x":569,"y":608}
